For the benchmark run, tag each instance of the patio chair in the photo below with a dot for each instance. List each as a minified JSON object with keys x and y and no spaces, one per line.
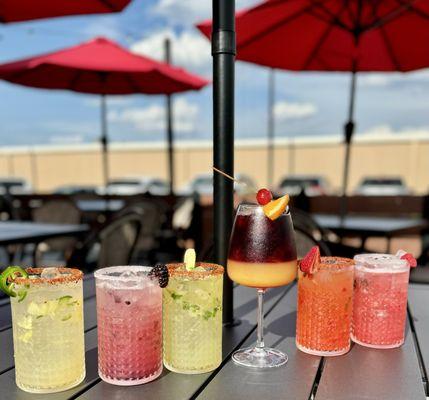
{"x":153,"y":215}
{"x":113,"y":244}
{"x":56,"y":251}
{"x":309,"y":233}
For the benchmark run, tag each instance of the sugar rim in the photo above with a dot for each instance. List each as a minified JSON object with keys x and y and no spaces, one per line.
{"x":176,"y":269}
{"x":69,"y":275}
{"x":102,"y":273}
{"x":380,"y":262}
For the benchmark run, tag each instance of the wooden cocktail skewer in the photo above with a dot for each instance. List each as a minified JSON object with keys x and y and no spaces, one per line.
{"x":234,"y":179}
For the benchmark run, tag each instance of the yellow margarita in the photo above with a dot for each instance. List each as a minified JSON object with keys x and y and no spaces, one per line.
{"x":192,"y":322}
{"x":48,"y":332}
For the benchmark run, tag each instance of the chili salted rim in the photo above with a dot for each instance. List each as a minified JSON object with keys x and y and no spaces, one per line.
{"x":69,"y":275}
{"x":179,"y":269}
{"x":335,"y":263}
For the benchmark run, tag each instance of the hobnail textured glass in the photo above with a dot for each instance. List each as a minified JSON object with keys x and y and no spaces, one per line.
{"x":129,"y":328}
{"x":192,"y":323}
{"x":48,"y":332}
{"x":380,"y":300}
{"x":325,"y":308}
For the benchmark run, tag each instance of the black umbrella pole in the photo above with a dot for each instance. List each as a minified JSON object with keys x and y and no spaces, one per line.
{"x":270,"y":129}
{"x":104,"y":142}
{"x":169,"y":124}
{"x":348,"y":135}
{"x":223,"y":51}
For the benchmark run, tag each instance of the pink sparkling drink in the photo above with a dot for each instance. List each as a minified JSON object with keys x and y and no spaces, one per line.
{"x":380,"y":300}
{"x":129,"y":314}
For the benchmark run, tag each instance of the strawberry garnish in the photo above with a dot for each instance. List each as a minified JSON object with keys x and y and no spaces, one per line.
{"x":403,"y":255}
{"x":310,"y":262}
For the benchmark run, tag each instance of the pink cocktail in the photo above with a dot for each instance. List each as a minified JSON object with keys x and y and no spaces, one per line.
{"x":380,"y":300}
{"x":129,"y":314}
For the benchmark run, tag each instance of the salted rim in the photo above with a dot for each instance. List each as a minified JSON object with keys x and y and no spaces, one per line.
{"x":335,"y":263}
{"x":69,"y":275}
{"x":380,"y":262}
{"x":102,"y":273}
{"x":177,"y":269}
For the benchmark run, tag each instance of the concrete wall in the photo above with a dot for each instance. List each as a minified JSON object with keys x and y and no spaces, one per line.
{"x":48,"y":167}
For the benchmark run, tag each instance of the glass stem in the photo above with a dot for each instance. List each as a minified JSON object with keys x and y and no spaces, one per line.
{"x":260,"y":330}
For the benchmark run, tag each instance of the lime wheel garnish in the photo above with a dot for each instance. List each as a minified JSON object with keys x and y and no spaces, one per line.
{"x":7,"y":284}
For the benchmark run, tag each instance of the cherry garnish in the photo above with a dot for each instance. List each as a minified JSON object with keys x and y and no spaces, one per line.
{"x":264,"y":196}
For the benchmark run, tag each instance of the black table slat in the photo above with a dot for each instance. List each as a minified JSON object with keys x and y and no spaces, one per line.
{"x":179,"y":386}
{"x":366,"y":373}
{"x":292,"y":381}
{"x":418,"y":297}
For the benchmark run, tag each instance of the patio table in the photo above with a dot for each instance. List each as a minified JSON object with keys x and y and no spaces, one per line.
{"x":368,"y":226}
{"x":100,"y":206}
{"x":19,"y":232}
{"x":362,"y":373}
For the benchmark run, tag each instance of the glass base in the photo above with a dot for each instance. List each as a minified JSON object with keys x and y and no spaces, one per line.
{"x":255,"y":357}
{"x":130,"y":382}
{"x":378,"y":346}
{"x":322,"y":353}
{"x":30,"y":389}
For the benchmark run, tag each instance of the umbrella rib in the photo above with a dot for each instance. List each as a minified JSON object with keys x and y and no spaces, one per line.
{"x":74,"y":79}
{"x":394,"y":14}
{"x":275,"y":26}
{"x":133,"y":84}
{"x":321,"y":40}
{"x":414,"y":9}
{"x":389,"y":49}
{"x":109,"y":5}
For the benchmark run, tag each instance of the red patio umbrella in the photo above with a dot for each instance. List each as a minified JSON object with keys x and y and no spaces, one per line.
{"x":100,"y":66}
{"x":335,"y":35}
{"x":25,"y":10}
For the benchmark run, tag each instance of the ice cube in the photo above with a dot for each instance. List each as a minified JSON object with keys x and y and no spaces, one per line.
{"x":128,"y":274}
{"x":50,"y":273}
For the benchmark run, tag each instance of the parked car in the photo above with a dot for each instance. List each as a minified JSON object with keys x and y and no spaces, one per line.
{"x":14,"y":186}
{"x":203,"y":185}
{"x":130,"y":186}
{"x":382,"y":186}
{"x":312,"y":185}
{"x":71,"y":190}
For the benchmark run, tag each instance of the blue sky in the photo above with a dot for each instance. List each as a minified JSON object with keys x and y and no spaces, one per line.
{"x":306,"y":103}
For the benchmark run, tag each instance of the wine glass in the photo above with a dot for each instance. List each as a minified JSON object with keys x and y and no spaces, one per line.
{"x":262,"y":254}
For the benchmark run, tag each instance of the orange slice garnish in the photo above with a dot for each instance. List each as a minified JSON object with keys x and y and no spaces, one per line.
{"x":275,"y":208}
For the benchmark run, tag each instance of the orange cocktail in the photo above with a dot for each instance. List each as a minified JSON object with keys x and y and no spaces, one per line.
{"x":325,"y":307}
{"x":262,"y":255}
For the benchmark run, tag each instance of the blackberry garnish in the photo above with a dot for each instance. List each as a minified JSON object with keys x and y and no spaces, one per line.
{"x":160,"y":272}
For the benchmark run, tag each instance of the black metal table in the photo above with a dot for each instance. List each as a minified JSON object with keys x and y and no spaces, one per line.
{"x":368,"y":226}
{"x":100,"y":206}
{"x":361,"y":374}
{"x":19,"y":232}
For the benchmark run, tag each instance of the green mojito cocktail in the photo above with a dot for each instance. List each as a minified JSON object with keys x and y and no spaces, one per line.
{"x":48,"y":332}
{"x":192,"y":321}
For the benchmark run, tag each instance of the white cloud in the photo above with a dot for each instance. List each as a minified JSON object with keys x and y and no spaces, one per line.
{"x":94,"y":101}
{"x":103,"y":26}
{"x":151,"y":119}
{"x":284,"y":110}
{"x":189,"y":49}
{"x":180,"y":12}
